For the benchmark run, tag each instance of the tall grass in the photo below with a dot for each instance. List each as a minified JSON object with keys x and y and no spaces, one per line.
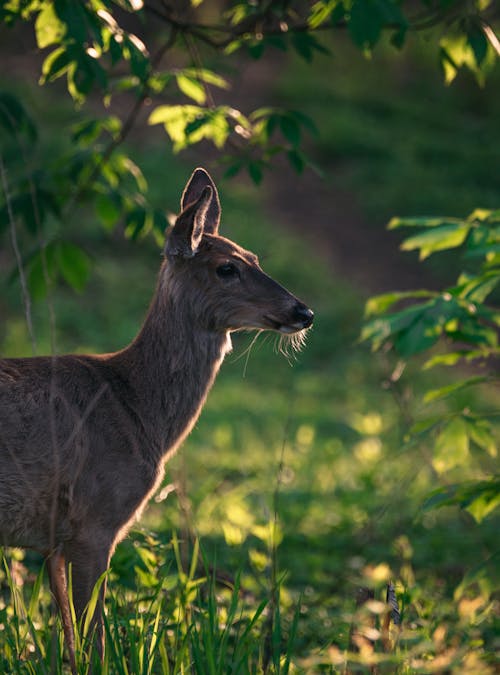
{"x":184,"y":622}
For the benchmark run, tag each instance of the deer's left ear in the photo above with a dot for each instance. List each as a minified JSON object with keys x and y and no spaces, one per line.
{"x":199,"y":180}
{"x":185,"y":236}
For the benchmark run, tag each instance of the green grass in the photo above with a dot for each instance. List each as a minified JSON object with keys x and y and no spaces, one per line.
{"x":297,"y":481}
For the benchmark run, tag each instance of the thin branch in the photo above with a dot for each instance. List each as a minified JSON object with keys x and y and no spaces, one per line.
{"x":256,"y":23}
{"x":19,"y":260}
{"x":491,"y":36}
{"x":249,"y":25}
{"x":275,"y":589}
{"x":196,"y":58}
{"x":38,"y":221}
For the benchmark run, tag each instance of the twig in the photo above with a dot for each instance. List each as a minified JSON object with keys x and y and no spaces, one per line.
{"x":38,"y":223}
{"x":393,"y":614}
{"x":274,"y":600}
{"x":19,"y":260}
{"x":256,"y":24}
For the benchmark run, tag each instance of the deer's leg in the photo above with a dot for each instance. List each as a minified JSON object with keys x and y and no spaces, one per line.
{"x":56,"y":565}
{"x":88,"y":562}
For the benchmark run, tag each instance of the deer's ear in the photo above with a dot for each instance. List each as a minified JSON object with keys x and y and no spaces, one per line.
{"x":199,"y":180}
{"x":185,"y":236}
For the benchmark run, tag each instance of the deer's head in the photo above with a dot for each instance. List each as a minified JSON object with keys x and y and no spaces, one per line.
{"x":222,"y":282}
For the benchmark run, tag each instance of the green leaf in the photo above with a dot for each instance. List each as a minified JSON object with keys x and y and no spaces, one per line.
{"x":420,"y":335}
{"x":450,"y":359}
{"x":77,"y":20}
{"x":175,"y":119}
{"x":256,"y":49}
{"x":306,"y":44}
{"x":305,"y":121}
{"x":207,"y":76}
{"x":57,"y":259}
{"x":234,"y":168}
{"x":255,"y":171}
{"x":452,"y":446}
{"x":480,"y":498}
{"x":483,"y":505}
{"x":450,"y":69}
{"x":88,"y":131}
{"x":192,"y":88}
{"x":444,"y":392}
{"x":423,"y":427}
{"x":213,"y":125}
{"x":74,"y":265}
{"x":421,"y":221}
{"x":321,"y":12}
{"x":483,"y":216}
{"x":14,"y":118}
{"x":136,"y":223}
{"x":189,"y":124}
{"x":437,"y":239}
{"x":381,"y":329}
{"x":297,"y":160}
{"x":135,"y":50}
{"x":124,"y":165}
{"x":83,"y":73}
{"x":157,"y":82}
{"x":49,"y":29}
{"x":31,"y":208}
{"x":457,"y":52}
{"x":107,"y":210}
{"x":477,"y":289}
{"x":56,"y":64}
{"x":115,"y":48}
{"x":478,"y":42}
{"x":474,"y":333}
{"x":160,"y":222}
{"x":480,"y":432}
{"x":398,"y":38}
{"x":379,"y":304}
{"x":290,"y":129}
{"x":365,"y":23}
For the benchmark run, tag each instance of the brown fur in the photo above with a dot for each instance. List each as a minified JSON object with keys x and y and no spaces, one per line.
{"x":84,"y":438}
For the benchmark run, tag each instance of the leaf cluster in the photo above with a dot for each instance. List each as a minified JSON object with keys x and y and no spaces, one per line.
{"x":459,"y":325}
{"x":41,"y":194}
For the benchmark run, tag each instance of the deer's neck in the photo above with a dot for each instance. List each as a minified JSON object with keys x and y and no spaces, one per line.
{"x":170,"y":367}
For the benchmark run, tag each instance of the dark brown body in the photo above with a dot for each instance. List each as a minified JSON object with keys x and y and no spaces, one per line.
{"x":83,"y":439}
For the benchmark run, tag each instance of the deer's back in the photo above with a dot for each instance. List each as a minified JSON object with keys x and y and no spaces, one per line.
{"x":71,"y":450}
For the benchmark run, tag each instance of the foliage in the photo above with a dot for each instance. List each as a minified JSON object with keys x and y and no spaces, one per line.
{"x":465,"y":319}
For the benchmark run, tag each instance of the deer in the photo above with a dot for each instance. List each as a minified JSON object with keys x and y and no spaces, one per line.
{"x":84,"y":438}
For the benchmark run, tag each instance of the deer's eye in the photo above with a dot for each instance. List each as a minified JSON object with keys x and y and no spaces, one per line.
{"x":227,"y":270}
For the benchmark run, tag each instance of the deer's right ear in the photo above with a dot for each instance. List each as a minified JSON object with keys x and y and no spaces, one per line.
{"x":185,"y":236}
{"x":200,"y":179}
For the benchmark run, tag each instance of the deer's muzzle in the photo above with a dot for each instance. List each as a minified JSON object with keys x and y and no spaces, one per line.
{"x":301,"y":317}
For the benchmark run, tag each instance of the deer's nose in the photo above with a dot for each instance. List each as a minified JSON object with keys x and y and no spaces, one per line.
{"x":303,"y":315}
